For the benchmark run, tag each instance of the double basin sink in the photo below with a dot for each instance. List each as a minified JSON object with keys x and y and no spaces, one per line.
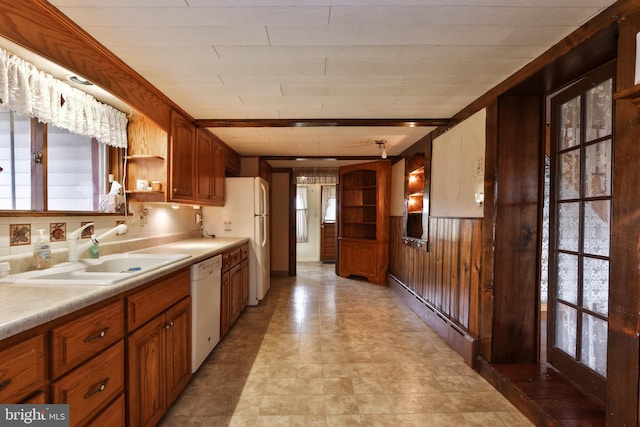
{"x":107,"y":270}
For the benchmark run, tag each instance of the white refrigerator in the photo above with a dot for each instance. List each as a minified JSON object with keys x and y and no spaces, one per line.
{"x":245,"y":214}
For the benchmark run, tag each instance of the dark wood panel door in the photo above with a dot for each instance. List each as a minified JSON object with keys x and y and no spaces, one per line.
{"x":328,"y":241}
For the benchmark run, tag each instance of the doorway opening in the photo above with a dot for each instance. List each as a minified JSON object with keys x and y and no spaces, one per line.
{"x":316,"y":213}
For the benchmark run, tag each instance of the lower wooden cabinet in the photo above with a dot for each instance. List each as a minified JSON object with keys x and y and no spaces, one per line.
{"x":234,"y":286}
{"x":159,"y":361}
{"x":22,"y":370}
{"x":362,"y":258}
{"x":112,"y":416}
{"x":90,"y":388}
{"x":106,"y":383}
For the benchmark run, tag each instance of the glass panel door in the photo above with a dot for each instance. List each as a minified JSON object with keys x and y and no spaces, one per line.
{"x":581,"y":200}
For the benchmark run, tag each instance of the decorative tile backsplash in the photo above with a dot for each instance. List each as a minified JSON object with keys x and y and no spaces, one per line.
{"x":58,"y":231}
{"x":164,"y":225}
{"x":19,"y":234}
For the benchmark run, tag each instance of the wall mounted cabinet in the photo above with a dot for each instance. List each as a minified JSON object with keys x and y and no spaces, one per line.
{"x":146,"y":160}
{"x":182,"y":160}
{"x":209,"y":170}
{"x":363,"y":225}
{"x":416,"y":210}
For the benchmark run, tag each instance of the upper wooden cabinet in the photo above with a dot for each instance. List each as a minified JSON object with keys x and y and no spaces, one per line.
{"x":182,"y":156}
{"x":146,"y":160}
{"x":231,"y":162}
{"x":196,"y":165}
{"x":209,"y":169}
{"x":363,"y":225}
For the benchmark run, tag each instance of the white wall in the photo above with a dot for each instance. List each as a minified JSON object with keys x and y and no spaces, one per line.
{"x":310,"y":251}
{"x":457,"y":169}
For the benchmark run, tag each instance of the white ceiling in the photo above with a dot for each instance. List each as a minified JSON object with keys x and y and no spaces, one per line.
{"x":326,"y":59}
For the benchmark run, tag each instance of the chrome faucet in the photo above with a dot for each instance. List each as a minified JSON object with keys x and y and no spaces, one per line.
{"x":76,"y":248}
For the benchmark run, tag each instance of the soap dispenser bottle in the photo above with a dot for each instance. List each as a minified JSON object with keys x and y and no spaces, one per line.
{"x":42,"y":251}
{"x":94,"y":249}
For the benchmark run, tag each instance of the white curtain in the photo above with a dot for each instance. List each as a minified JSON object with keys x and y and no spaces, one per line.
{"x":328,"y":194}
{"x":31,"y":92}
{"x":302,"y":233}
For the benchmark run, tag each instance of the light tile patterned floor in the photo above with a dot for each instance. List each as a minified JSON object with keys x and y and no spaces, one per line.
{"x":321,"y":350}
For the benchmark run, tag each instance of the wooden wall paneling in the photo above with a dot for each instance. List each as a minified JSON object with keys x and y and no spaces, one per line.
{"x":449,"y":261}
{"x":396,"y":252}
{"x":465,"y":271}
{"x":485,"y":317}
{"x":624,"y":294}
{"x":516,"y":315}
{"x":475,"y":268}
{"x":431,"y":283}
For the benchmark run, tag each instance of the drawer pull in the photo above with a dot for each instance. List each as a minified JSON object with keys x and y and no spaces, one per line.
{"x":98,"y":389}
{"x":4,"y":384}
{"x":168,"y":325}
{"x":99,"y":335}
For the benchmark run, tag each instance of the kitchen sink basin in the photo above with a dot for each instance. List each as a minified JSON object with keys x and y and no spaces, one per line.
{"x":108,"y":270}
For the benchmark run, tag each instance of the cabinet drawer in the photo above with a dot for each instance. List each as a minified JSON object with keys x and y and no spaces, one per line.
{"x":78,"y":340}
{"x":148,"y":303}
{"x":93,"y":385}
{"x":245,"y":251}
{"x":236,"y":256}
{"x":21,"y":369}
{"x":113,"y":416}
{"x":226,"y":261}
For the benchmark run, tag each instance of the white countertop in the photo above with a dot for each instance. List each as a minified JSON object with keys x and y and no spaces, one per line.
{"x":24,"y":307}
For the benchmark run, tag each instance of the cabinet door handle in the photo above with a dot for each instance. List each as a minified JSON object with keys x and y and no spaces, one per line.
{"x":4,"y":384}
{"x":98,"y":389}
{"x":99,"y":335}
{"x":175,"y":190}
{"x":168,"y":325}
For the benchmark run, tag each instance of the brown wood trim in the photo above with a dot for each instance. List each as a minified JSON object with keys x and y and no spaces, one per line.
{"x":275,"y":123}
{"x":624,"y":293}
{"x":43,"y":29}
{"x":487,"y":272}
{"x":292,"y":224}
{"x":515,"y":295}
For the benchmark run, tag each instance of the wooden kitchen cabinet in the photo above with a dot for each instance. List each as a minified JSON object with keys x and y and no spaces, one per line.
{"x":146,"y":159}
{"x":231,"y":162}
{"x":89,"y":389}
{"x":234,"y":294}
{"x":363,"y":226}
{"x":159,"y":348}
{"x":77,"y":340}
{"x":182,"y":160}
{"x":209,"y":170}
{"x":22,"y":371}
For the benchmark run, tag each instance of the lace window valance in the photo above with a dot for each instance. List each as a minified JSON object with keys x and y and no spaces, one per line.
{"x":325,"y":176}
{"x":31,"y":92}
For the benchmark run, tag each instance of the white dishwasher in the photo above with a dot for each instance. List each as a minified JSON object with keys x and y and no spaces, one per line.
{"x":205,"y":309}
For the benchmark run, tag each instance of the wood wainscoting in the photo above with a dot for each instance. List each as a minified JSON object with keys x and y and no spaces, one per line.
{"x":442,"y":284}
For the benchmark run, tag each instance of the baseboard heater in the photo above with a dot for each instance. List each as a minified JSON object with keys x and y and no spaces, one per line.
{"x":460,"y":340}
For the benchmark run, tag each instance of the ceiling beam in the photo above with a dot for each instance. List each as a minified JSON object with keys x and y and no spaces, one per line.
{"x":259,"y":123}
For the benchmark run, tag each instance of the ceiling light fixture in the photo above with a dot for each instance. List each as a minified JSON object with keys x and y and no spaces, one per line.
{"x":79,"y":80}
{"x":382,"y":145}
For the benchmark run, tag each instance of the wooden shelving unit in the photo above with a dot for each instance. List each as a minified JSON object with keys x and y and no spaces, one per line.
{"x":363,"y":225}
